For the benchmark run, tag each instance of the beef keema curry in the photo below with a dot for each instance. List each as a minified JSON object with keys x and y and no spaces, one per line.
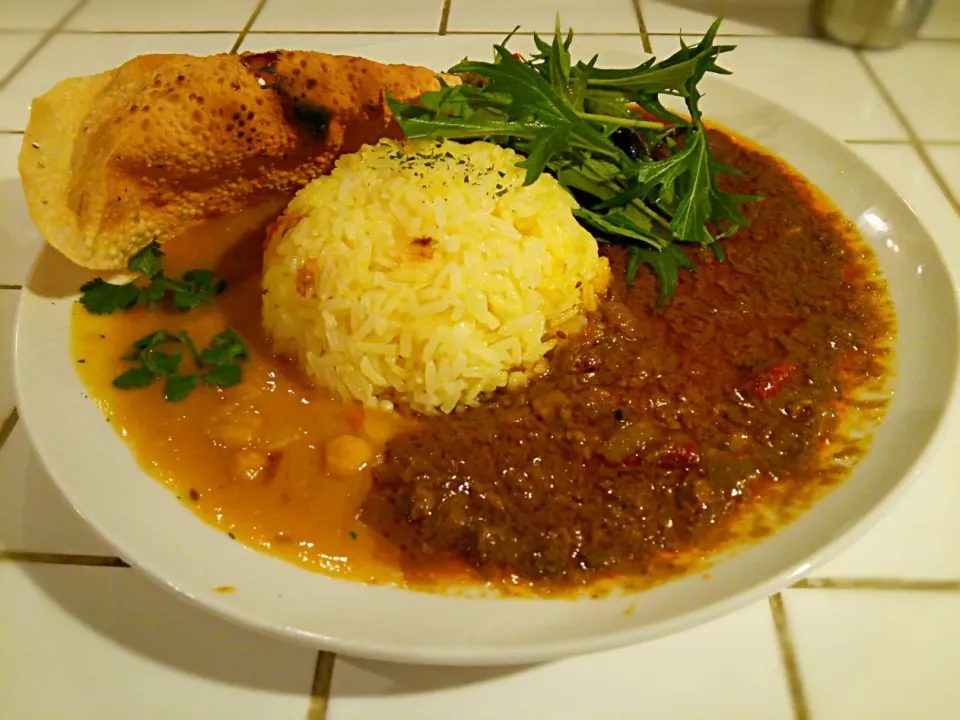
{"x":654,"y":429}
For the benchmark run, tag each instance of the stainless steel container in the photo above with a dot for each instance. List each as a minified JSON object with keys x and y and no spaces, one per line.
{"x":874,"y":24}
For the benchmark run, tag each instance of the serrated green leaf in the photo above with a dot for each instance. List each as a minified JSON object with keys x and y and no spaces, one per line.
{"x":101,"y":298}
{"x":606,"y":102}
{"x":614,"y":226}
{"x":178,"y":387}
{"x":219,"y":362}
{"x":185,"y":338}
{"x":580,"y":77}
{"x":559,"y":62}
{"x":460,"y":101}
{"x":666,"y":265}
{"x":199,"y":278}
{"x":154,"y":293}
{"x":690,"y":219}
{"x":422,"y":123}
{"x":161,"y":363}
{"x":561,"y":116}
{"x":134,"y":378}
{"x":148,"y":260}
{"x":503,"y":43}
{"x":225,"y":347}
{"x":541,"y":151}
{"x":154,"y":339}
{"x":223,"y":376}
{"x":523,"y":83}
{"x":186,"y":300}
{"x":634,"y":261}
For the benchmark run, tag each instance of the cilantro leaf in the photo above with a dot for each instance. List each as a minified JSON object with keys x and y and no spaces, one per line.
{"x":161,"y":363}
{"x":186,"y":300}
{"x":184,"y":337}
{"x":148,"y":260}
{"x":204,"y":280}
{"x":218,"y":364}
{"x":223,"y":375}
{"x":176,"y":387}
{"x":223,"y":355}
{"x":102,"y":298}
{"x":154,"y":293}
{"x":152,"y":362}
{"x":134,"y":378}
{"x":224,"y":348}
{"x":195,"y":287}
{"x":151,"y":341}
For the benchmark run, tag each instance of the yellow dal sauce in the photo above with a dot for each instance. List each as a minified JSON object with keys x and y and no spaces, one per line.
{"x":272,"y":461}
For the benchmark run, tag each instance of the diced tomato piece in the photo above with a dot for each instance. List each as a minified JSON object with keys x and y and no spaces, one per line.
{"x":272,"y":228}
{"x":516,"y":56}
{"x":355,"y":416}
{"x":282,"y":224}
{"x":683,"y":457}
{"x":773,"y":380}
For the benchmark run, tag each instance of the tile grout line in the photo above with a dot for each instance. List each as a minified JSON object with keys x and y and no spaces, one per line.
{"x":879,"y":141}
{"x":696,"y":33}
{"x":242,"y":35}
{"x":444,"y":17}
{"x":42,"y":558}
{"x":325,"y":661}
{"x":447,"y":31}
{"x":778,"y":36}
{"x":149,"y":32}
{"x":279,"y":32}
{"x":788,"y":657}
{"x":41,"y":43}
{"x":220,"y":31}
{"x":912,"y":135}
{"x":883,"y":584}
{"x":320,"y":689}
{"x":46,"y":558}
{"x":904,"y":141}
{"x":642,"y":26}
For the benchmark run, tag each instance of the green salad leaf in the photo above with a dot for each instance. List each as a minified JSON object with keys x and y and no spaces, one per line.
{"x":647,"y":180}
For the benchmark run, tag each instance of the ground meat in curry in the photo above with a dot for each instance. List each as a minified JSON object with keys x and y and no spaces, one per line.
{"x":652,"y":428}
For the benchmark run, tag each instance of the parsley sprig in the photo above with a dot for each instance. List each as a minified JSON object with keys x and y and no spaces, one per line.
{"x":216,"y":365}
{"x":193,"y":289}
{"x":568,"y":119}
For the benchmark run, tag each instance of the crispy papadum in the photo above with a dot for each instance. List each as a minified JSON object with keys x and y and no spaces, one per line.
{"x":113,"y":161}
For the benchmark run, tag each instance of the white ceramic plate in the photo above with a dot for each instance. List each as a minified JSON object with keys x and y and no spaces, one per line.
{"x":154,"y":532}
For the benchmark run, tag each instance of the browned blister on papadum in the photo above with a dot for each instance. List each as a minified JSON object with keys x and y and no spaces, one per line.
{"x":113,"y":161}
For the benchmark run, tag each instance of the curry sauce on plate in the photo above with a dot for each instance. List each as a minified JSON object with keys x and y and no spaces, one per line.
{"x":656,"y":435}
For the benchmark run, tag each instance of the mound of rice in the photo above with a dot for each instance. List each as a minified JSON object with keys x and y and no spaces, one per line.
{"x":425,"y":273}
